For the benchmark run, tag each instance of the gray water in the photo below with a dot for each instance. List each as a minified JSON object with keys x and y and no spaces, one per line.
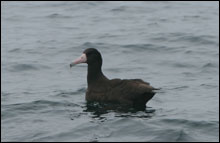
{"x":172,"y":45}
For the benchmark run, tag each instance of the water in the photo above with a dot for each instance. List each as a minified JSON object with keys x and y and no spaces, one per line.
{"x":172,"y":45}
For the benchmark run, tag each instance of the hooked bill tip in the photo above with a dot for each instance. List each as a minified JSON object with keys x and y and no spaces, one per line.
{"x":71,"y":65}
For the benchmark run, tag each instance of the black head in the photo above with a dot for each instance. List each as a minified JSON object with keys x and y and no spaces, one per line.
{"x":93,"y":56}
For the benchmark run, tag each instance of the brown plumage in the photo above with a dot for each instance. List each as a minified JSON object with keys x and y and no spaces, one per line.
{"x":132,"y":92}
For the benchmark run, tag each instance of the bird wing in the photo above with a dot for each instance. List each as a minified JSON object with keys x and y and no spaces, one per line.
{"x":131,"y":88}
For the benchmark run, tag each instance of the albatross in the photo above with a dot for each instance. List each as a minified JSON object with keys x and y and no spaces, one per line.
{"x":131,"y":92}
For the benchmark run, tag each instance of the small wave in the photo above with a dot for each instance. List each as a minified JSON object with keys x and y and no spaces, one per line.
{"x":33,"y":105}
{"x":195,"y":17}
{"x":56,"y":15}
{"x":135,"y":47}
{"x":107,"y":36}
{"x":70,"y":28}
{"x":172,"y":135}
{"x":187,"y":37}
{"x":181,"y":87}
{"x":116,"y":70}
{"x":183,"y":65}
{"x":119,"y":9}
{"x":46,"y":102}
{"x":130,"y":47}
{"x":188,"y":52}
{"x":151,"y":47}
{"x":39,"y":106}
{"x":67,"y":94}
{"x":209,"y":65}
{"x":27,"y":67}
{"x":208,"y":85}
{"x":197,"y":39}
{"x":188,"y":73}
{"x":163,"y":20}
{"x":198,"y":124}
{"x":182,"y":129}
{"x":23,"y":67}
{"x":158,"y":38}
{"x":192,"y":16}
{"x":183,"y":136}
{"x":98,"y":45}
{"x":203,"y":40}
{"x":14,"y":50}
{"x":90,"y":44}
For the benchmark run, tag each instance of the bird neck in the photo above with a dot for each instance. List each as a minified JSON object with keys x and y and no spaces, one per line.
{"x":94,"y":73}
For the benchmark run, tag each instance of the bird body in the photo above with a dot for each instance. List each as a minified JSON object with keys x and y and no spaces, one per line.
{"x":131,"y":92}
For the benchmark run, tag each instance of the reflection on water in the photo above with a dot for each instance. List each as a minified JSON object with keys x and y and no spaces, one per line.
{"x":99,"y":109}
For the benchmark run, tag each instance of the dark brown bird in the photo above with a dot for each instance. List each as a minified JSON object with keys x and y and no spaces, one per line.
{"x":132,"y":92}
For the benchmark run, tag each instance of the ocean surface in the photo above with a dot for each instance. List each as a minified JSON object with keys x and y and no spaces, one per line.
{"x":171,"y":45}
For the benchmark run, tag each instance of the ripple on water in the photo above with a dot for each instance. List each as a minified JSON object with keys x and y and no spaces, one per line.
{"x":27,"y":67}
{"x":61,"y":93}
{"x":57,"y":15}
{"x":33,"y":107}
{"x":186,"y":130}
{"x":149,"y":47}
{"x":209,"y":65}
{"x":195,"y":39}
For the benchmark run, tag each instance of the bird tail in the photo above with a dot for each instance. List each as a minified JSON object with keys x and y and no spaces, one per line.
{"x":157,"y":88}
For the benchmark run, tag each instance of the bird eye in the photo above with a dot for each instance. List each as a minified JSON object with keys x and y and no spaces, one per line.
{"x":88,"y":54}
